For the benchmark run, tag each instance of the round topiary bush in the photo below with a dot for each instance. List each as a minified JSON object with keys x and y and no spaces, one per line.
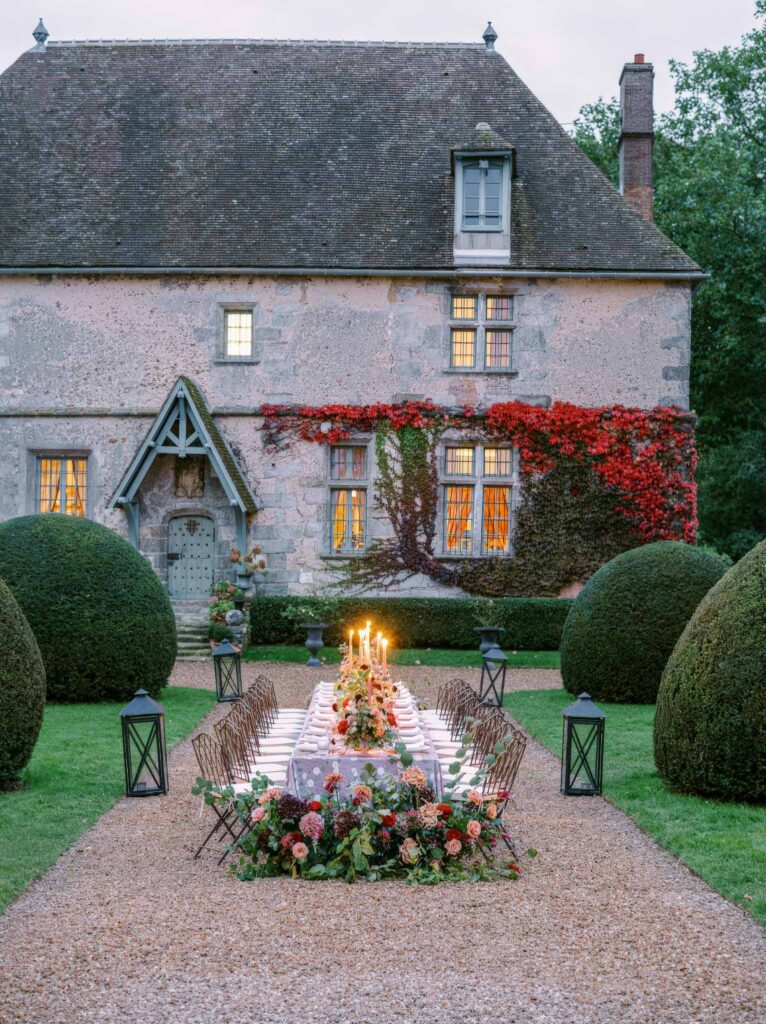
{"x":710,"y":727}
{"x":22,"y":690}
{"x":622,"y":627}
{"x":100,"y":616}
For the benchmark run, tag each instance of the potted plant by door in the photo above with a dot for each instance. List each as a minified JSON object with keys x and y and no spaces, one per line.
{"x":245,"y":566}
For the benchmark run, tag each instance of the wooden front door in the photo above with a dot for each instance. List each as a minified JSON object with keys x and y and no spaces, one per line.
{"x":191,"y":556}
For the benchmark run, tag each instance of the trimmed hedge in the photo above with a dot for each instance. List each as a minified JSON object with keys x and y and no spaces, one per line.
{"x":710,"y":726}
{"x":100,"y":616}
{"x":531,"y":624}
{"x":22,"y":690}
{"x":626,"y":620}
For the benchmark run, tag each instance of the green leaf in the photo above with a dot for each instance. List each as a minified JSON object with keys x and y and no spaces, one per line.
{"x":531,"y":853}
{"x":490,"y":759}
{"x":499,"y":747}
{"x":454,"y":768}
{"x":461,"y":753}
{"x":406,"y":759}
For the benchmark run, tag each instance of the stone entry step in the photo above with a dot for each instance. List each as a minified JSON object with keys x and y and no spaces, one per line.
{"x":191,"y":629}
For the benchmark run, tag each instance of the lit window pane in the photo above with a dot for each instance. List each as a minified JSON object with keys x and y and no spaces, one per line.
{"x":463,"y":348}
{"x":498,"y":353}
{"x":348,"y":519}
{"x":496,"y":533}
{"x":497,"y":461}
{"x":62,"y":485}
{"x":238,"y":328}
{"x":499,"y":307}
{"x":463,"y":307}
{"x":348,"y":462}
{"x":459,"y":461}
{"x":459,"y":519}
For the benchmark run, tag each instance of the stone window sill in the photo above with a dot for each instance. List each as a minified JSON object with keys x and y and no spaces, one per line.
{"x":481,"y":372}
{"x":230,"y":361}
{"x":335,"y":556}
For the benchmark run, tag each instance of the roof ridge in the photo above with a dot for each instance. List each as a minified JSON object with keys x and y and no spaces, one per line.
{"x":266,"y":42}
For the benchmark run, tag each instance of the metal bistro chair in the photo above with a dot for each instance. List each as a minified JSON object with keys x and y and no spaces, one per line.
{"x":236,"y":751}
{"x":212,"y":767}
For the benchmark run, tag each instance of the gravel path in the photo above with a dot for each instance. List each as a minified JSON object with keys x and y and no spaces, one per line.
{"x":603,"y":927}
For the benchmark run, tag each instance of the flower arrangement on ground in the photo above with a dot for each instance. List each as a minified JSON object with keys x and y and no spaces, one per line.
{"x":386,"y":827}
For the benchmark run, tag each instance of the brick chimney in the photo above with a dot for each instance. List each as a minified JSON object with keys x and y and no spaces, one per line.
{"x":637,"y":134}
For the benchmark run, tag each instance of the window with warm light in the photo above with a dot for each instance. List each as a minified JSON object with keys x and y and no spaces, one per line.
{"x":481,"y":333}
{"x":238,"y":333}
{"x":348,"y":504}
{"x":62,"y":484}
{"x":478,"y":491}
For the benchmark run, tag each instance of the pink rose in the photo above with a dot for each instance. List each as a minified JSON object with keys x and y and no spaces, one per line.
{"x":300,"y":851}
{"x":474,"y":796}
{"x":492,"y":812}
{"x":453,"y":847}
{"x":473,"y":828}
{"x":258,"y":815}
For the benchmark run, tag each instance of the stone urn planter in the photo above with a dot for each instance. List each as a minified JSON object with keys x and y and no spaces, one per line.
{"x":244,"y":578}
{"x":489,"y":636}
{"x":315,"y":641}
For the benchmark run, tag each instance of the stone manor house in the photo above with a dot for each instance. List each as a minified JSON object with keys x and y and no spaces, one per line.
{"x":192,"y":229}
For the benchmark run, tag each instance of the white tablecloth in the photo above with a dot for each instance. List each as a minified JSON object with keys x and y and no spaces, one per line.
{"x":307,"y":770}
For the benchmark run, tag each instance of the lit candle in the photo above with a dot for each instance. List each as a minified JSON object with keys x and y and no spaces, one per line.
{"x":377,"y":646}
{"x":385,"y":654}
{"x":350,"y":646}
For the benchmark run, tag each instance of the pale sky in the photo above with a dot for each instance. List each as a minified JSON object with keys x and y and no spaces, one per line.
{"x":569,"y":52}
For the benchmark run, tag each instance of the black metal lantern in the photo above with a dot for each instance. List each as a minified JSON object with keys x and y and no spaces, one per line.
{"x":493,"y":669}
{"x":228,"y":673}
{"x":582,"y":750}
{"x":489,"y":636}
{"x":315,"y":641}
{"x":143,"y":746}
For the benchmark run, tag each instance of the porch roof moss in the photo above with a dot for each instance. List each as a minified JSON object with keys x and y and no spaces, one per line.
{"x":222,"y":449}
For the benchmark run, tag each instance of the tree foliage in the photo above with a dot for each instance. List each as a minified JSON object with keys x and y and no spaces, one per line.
{"x":710,"y":198}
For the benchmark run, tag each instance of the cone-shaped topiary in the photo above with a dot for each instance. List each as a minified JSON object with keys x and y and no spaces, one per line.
{"x":710,"y":727}
{"x":22,"y":690}
{"x":100,"y":616}
{"x":622,"y":627}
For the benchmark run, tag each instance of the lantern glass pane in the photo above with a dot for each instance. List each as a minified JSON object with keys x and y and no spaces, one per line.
{"x":585,"y":751}
{"x":143,"y":741}
{"x":227,"y":677}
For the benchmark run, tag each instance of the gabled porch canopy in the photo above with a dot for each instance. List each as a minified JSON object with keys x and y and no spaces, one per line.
{"x":184,"y":427}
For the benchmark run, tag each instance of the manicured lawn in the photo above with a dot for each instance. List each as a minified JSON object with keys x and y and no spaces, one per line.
{"x":724,"y":843}
{"x":425,"y":656}
{"x":75,"y":775}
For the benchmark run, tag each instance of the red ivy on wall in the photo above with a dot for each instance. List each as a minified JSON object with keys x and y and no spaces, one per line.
{"x":647,"y":457}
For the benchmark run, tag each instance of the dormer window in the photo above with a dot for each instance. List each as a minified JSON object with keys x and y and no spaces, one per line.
{"x":483,"y":170}
{"x":482,"y":195}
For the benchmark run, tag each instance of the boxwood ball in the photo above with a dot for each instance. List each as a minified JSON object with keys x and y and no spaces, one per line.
{"x":22,"y":690}
{"x":101,"y":618}
{"x":621,"y":629}
{"x":710,"y":727}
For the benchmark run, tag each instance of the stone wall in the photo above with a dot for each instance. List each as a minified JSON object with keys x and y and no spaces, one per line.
{"x":85,"y":363}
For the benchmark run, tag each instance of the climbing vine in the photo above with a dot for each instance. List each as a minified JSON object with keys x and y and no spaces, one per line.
{"x":594,"y":482}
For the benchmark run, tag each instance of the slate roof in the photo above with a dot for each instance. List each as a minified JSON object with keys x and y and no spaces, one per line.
{"x":281,"y":154}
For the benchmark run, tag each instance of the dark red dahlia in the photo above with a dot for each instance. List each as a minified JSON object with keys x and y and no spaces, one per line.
{"x":345,"y":821}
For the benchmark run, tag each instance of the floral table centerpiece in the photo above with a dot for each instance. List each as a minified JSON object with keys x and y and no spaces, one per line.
{"x":365,"y":694}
